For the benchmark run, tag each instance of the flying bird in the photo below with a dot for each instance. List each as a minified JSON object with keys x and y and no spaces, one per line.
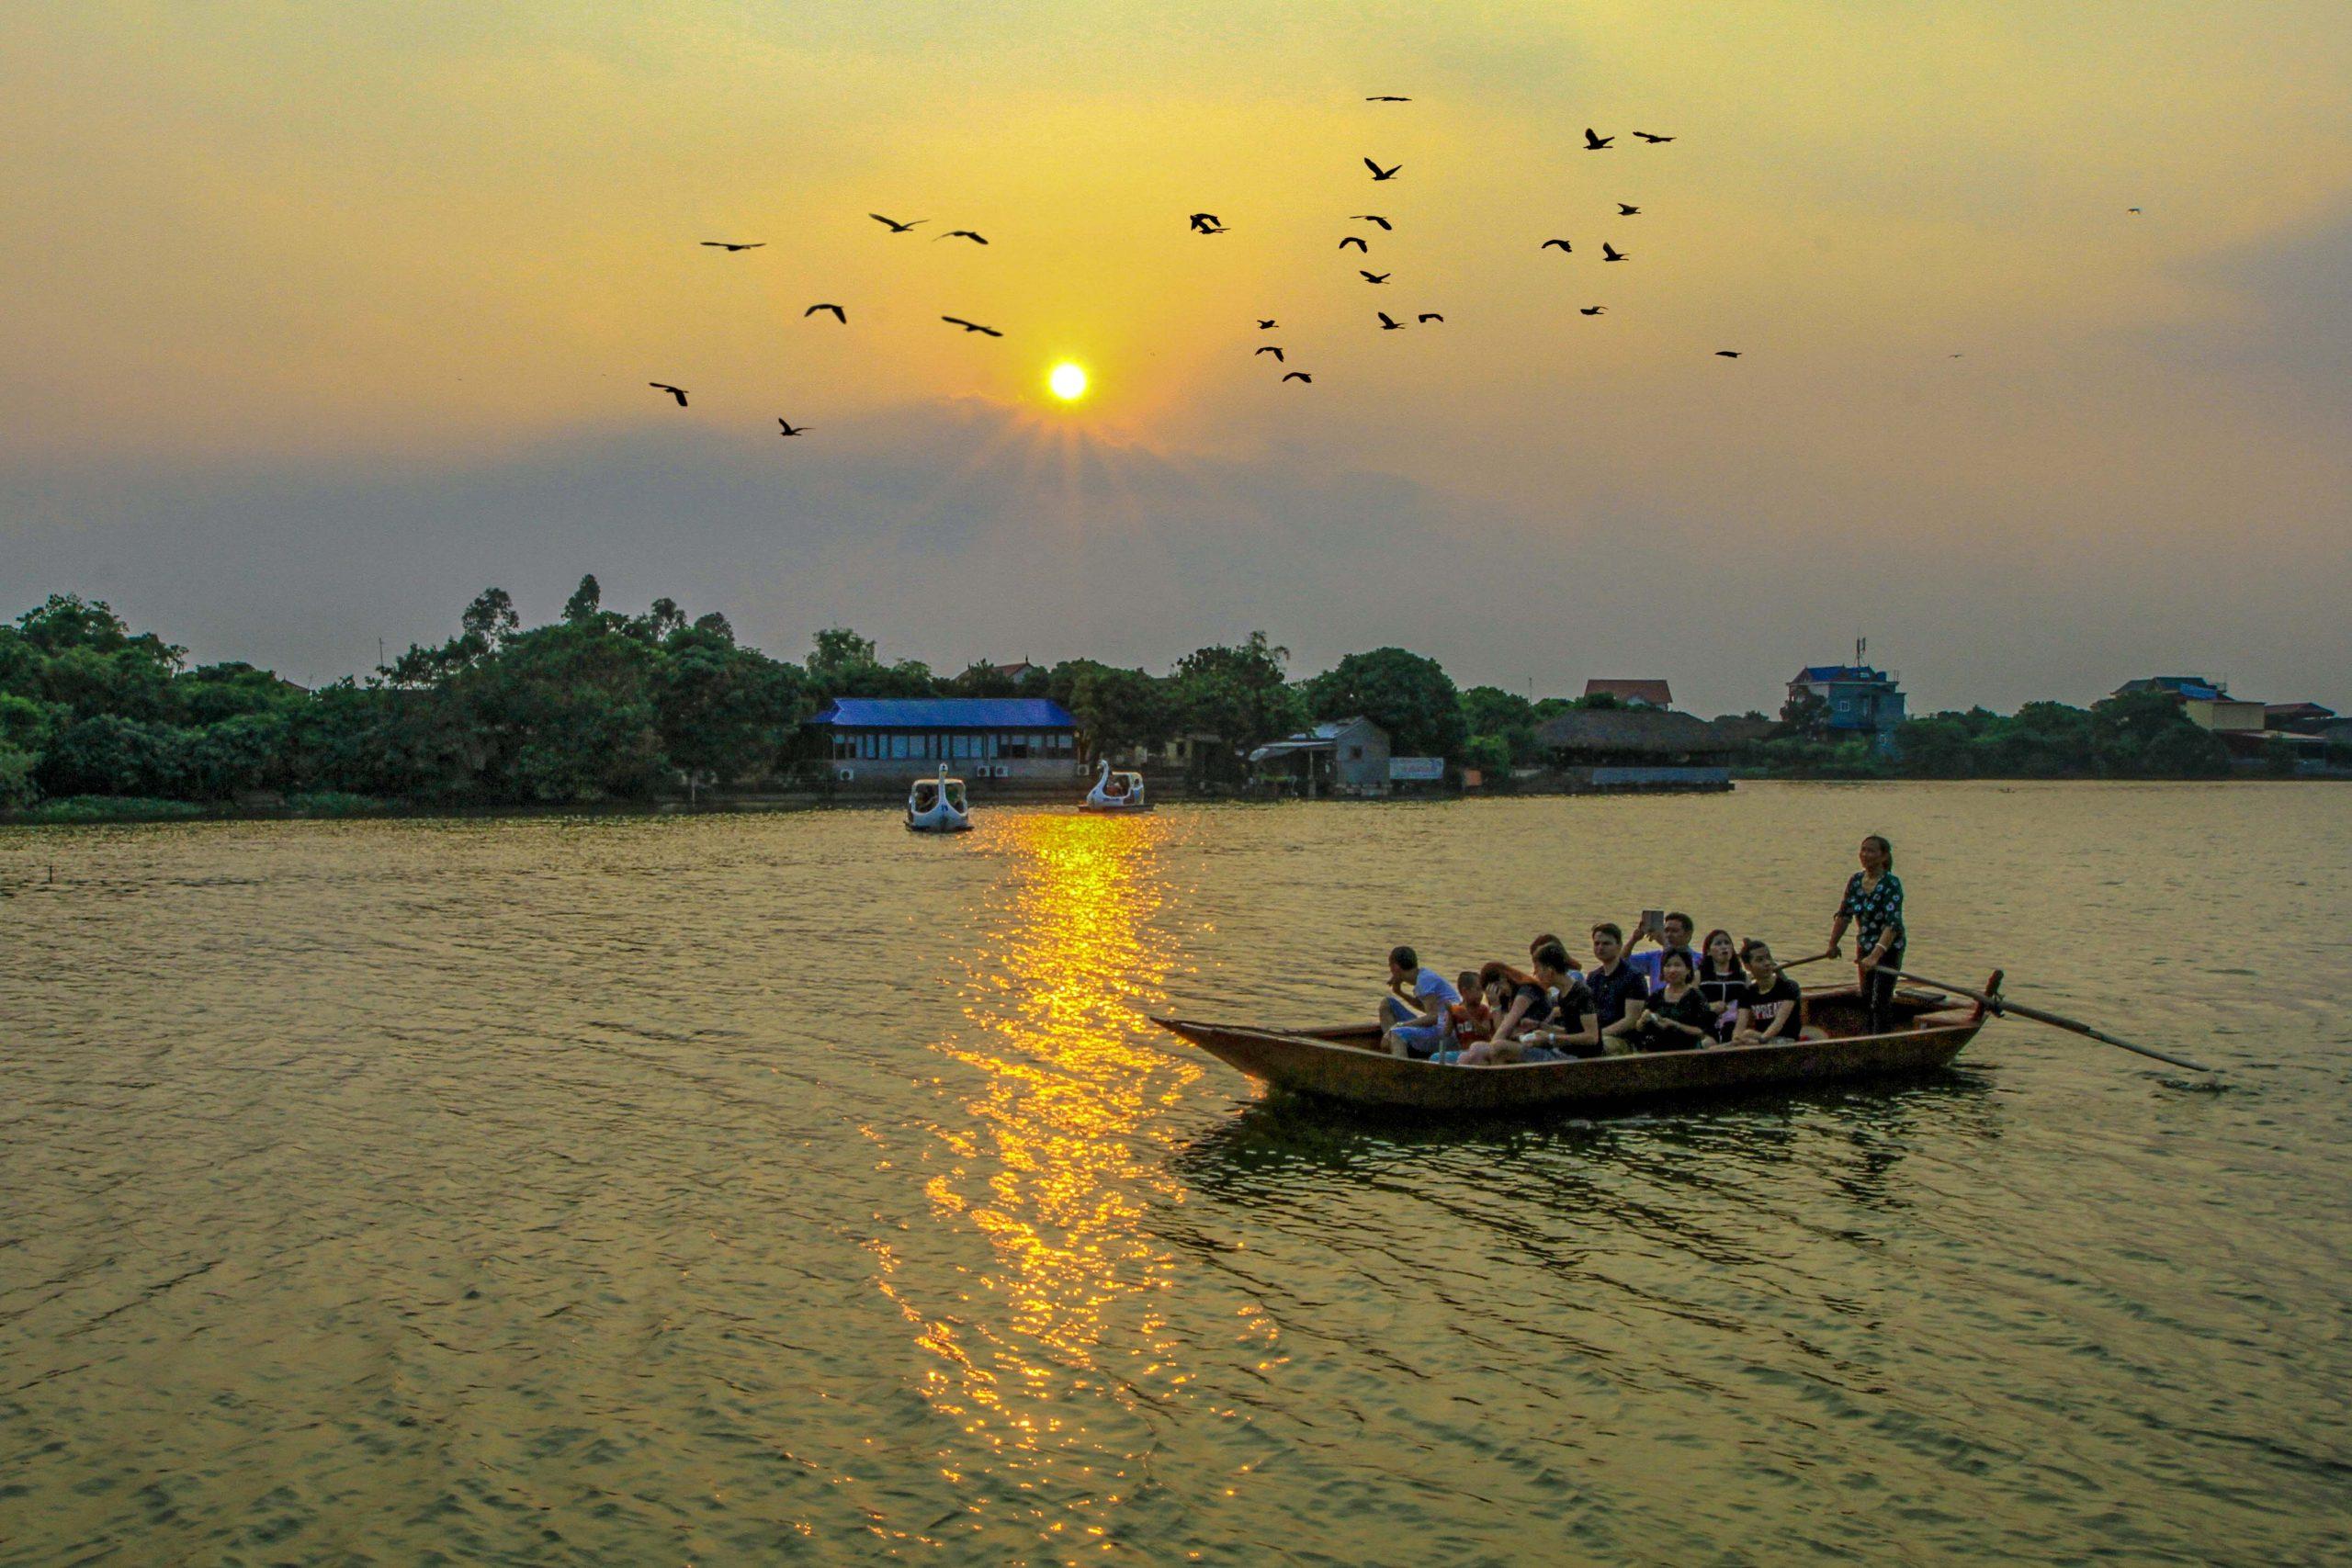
{"x":1647,"y":137}
{"x":1549,"y":243}
{"x":1609,"y":252}
{"x":1377,"y":218}
{"x":839,"y":314}
{"x":1373,"y":276}
{"x":1726,"y":353}
{"x":1386,"y":98}
{"x":677,"y":392}
{"x":790,"y":428}
{"x":1300,"y":376}
{"x":2131,"y":210}
{"x":1625,"y":211}
{"x":970,"y":326}
{"x":1277,"y":352}
{"x":1429,"y":316}
{"x":1380,"y":173}
{"x":1357,"y":240}
{"x":893,"y":224}
{"x":732,"y":246}
{"x":1591,"y":310}
{"x":1268,"y":326}
{"x":1388,"y":323}
{"x":961,"y":234}
{"x":1594,"y":143}
{"x":1206,"y":223}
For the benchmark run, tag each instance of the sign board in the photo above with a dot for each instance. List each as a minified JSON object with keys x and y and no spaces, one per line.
{"x":1429,"y":770}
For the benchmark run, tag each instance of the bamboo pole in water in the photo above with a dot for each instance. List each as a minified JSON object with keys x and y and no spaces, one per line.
{"x":2000,"y":1005}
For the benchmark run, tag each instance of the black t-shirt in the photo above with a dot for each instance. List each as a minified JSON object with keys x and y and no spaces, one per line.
{"x":1723,"y":991}
{"x":1768,"y":1003}
{"x":1693,"y":1010}
{"x":1571,"y":1005}
{"x":1539,"y":1006}
{"x":1610,"y":992}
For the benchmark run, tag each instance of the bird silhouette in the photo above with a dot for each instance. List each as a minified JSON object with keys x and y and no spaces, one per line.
{"x":1357,"y":240}
{"x":839,"y":314}
{"x":677,"y":392}
{"x":1300,"y":376}
{"x":732,"y":246}
{"x":970,"y":326}
{"x":1386,"y":98}
{"x":1726,"y":353}
{"x":790,"y":428}
{"x":1591,"y":310}
{"x":2131,"y":210}
{"x":1388,"y":324}
{"x":1549,"y":243}
{"x":1377,"y":218}
{"x":893,"y":224}
{"x":1609,"y":252}
{"x":1594,"y":143}
{"x":960,"y":234}
{"x":1625,"y":211}
{"x":1277,"y":352}
{"x":1373,"y":276}
{"x":1206,"y":223}
{"x":1380,"y":173}
{"x":1647,"y":137}
{"x":1268,"y":326}
{"x":1429,"y":316}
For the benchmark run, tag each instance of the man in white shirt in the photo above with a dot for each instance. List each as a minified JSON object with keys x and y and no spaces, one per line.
{"x":1412,"y":1015}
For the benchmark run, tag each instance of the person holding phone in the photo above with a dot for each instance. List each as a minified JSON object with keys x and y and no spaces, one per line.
{"x":1671,"y":931}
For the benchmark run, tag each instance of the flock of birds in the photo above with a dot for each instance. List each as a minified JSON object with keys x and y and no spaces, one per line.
{"x":1209,"y":223}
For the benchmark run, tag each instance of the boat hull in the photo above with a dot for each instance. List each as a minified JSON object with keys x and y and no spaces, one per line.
{"x":1346,"y":1065}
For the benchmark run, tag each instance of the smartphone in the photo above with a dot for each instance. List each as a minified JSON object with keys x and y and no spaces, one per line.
{"x":1653,"y":922}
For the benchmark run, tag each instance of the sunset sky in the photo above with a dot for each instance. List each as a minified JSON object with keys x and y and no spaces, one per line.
{"x":321,"y":318}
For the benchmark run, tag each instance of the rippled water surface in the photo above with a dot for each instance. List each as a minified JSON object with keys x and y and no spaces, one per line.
{"x":767,"y":1188}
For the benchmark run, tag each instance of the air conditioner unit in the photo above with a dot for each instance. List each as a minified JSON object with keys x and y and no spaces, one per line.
{"x":845,"y":775}
{"x":1001,"y":771}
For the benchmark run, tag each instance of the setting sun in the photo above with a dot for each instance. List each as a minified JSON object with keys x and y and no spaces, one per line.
{"x":1067,"y":381}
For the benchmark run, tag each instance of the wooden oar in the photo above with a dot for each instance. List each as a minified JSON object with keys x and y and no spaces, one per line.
{"x":1814,"y":959}
{"x":1999,"y":1005}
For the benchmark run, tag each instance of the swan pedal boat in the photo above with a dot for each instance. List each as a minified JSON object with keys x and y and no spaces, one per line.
{"x":1346,"y":1063}
{"x":1129,"y":796}
{"x":938,"y":806}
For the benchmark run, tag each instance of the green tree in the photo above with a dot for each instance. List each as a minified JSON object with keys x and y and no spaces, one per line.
{"x":1491,"y":712}
{"x":1239,"y":694}
{"x":1115,"y":708}
{"x":492,"y":617}
{"x":1409,"y":695}
{"x":845,"y":664}
{"x":586,"y":601}
{"x":724,"y":712}
{"x":566,"y":714}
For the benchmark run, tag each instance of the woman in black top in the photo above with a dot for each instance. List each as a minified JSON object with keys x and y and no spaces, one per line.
{"x":1721,"y":980}
{"x":1677,"y":1018}
{"x":1772,"y":1010}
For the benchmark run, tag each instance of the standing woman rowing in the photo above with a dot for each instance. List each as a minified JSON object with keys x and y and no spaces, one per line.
{"x":1873,"y":902}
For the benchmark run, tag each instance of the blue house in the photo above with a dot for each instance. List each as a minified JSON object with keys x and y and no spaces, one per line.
{"x":1860,"y":700}
{"x":893,"y":739}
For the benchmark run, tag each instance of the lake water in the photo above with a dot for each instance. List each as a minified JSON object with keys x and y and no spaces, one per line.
{"x":747,"y":1189}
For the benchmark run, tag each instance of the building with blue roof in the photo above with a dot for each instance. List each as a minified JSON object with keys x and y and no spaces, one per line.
{"x":895,"y":740}
{"x":1857,"y":700}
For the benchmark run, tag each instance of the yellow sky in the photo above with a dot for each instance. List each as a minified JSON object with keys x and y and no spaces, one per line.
{"x":293,"y":233}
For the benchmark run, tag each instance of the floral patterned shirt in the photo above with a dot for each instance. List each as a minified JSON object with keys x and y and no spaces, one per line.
{"x":1875,"y":910}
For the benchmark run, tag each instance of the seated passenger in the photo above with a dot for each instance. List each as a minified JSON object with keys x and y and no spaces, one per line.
{"x":1518,"y":1002}
{"x":1620,"y":991}
{"x":1548,"y":940}
{"x":1473,"y":1016}
{"x":1413,"y":1018}
{"x":1573,"y":1030}
{"x":1678,"y":1018}
{"x":1772,"y":1010}
{"x":1722,"y":980}
{"x":1672,"y":934}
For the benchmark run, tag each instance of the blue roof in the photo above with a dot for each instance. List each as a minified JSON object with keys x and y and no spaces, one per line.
{"x":945,"y":713}
{"x":1840,"y":672}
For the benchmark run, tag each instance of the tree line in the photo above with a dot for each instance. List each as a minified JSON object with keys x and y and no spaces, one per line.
{"x":602,"y":705}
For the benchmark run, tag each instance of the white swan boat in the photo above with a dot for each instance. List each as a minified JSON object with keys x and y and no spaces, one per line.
{"x":1115,"y":792}
{"x":938,"y":806}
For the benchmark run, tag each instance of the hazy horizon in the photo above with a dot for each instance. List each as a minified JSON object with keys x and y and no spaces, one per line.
{"x":327,"y":320}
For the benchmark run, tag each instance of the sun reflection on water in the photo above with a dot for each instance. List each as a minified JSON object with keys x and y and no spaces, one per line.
{"x":1058,"y":1158}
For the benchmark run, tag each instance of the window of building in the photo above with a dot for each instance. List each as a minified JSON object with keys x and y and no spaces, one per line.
{"x":1355,"y":753}
{"x":898,"y":748}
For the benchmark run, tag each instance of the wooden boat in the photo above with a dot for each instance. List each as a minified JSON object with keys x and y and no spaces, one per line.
{"x":1347,"y":1063}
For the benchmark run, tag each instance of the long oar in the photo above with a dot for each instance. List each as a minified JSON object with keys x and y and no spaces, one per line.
{"x":1998,"y":1005}
{"x":1814,"y":959}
